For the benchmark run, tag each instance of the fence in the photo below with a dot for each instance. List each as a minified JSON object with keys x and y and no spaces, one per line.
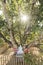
{"x":13,"y":60}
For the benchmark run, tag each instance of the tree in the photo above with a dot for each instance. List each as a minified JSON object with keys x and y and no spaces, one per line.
{"x":12,"y":30}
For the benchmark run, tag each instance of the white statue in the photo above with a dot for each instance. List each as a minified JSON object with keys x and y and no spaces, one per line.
{"x":20,"y":50}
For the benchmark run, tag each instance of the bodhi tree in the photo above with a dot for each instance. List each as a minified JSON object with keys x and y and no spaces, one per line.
{"x":21,"y":22}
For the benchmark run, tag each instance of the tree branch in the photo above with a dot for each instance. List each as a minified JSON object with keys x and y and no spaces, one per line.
{"x":9,"y":22}
{"x":32,"y":44}
{"x":9,"y":42}
{"x":2,"y":36}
